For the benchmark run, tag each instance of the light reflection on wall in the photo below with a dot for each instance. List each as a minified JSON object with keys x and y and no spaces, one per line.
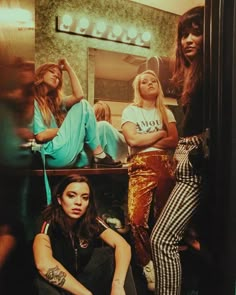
{"x":16,"y":78}
{"x":16,"y":17}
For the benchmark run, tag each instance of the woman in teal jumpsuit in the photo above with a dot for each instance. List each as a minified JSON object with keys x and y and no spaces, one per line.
{"x":64,"y":125}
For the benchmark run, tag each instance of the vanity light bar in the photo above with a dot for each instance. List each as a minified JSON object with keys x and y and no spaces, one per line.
{"x":101,"y":30}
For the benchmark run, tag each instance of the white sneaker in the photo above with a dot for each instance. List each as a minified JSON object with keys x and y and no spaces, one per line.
{"x":148,"y":271}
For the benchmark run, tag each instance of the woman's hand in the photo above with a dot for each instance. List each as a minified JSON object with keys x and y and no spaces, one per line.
{"x":162,"y":133}
{"x":64,"y":64}
{"x":77,"y":91}
{"x":117,"y":289}
{"x":170,"y":140}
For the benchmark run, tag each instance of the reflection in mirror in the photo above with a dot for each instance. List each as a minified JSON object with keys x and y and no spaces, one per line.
{"x":114,"y":73}
{"x":111,"y":75}
{"x":111,"y":79}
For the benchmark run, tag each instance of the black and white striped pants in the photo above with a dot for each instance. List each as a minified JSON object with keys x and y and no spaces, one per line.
{"x":178,"y":211}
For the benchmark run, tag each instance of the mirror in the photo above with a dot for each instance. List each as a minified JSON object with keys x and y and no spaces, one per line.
{"x":114,"y":73}
{"x":111,"y":75}
{"x":110,"y":79}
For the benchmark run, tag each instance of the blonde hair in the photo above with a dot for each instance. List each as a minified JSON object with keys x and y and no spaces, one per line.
{"x":138,"y":99}
{"x":102,"y":111}
{"x":48,"y":103}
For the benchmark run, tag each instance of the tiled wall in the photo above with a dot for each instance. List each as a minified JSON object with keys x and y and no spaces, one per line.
{"x":51,"y":45}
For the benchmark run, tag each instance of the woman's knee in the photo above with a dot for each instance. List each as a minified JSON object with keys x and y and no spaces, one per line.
{"x":98,"y":273}
{"x":101,"y":261}
{"x":129,"y":286}
{"x":43,"y":287}
{"x":83,"y":106}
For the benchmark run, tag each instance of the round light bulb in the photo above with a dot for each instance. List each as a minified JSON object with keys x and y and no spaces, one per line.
{"x":117,"y":30}
{"x":101,"y":27}
{"x":67,"y":20}
{"x":84,"y":23}
{"x":146,"y":36}
{"x":132,"y":33}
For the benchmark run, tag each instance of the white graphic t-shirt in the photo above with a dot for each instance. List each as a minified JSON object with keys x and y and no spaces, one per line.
{"x":146,"y":121}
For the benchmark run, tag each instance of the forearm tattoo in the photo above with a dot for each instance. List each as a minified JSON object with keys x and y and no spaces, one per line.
{"x":55,"y":276}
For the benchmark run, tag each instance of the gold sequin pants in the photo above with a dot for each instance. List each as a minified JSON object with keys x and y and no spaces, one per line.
{"x":151,"y":179}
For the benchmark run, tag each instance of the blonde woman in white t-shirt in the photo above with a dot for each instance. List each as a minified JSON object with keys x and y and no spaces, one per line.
{"x":150,"y":130}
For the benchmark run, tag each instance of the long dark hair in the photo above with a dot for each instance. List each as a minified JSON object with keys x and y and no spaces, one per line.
{"x":86,"y":226}
{"x":188,"y":76}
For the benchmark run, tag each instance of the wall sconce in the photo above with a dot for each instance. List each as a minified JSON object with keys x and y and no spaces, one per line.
{"x":102,"y":30}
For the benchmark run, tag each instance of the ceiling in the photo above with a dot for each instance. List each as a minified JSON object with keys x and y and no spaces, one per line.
{"x":171,"y":5}
{"x":119,"y":66}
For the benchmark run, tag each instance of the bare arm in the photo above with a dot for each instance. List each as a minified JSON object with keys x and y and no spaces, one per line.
{"x":46,"y":135}
{"x":135,"y":139}
{"x":52,"y":270}
{"x":171,"y":140}
{"x":77,"y":91}
{"x":122,"y":259}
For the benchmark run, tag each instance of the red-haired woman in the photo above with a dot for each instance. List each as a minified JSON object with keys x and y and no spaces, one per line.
{"x":64,"y":124}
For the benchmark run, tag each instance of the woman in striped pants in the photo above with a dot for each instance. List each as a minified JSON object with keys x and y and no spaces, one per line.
{"x":190,"y":176}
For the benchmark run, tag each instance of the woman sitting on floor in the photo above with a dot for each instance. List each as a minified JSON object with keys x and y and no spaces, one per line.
{"x":66,"y":247}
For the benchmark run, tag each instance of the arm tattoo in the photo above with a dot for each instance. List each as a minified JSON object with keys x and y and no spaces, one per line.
{"x":55,"y":276}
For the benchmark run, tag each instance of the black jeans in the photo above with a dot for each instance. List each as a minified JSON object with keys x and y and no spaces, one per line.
{"x":96,"y":276}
